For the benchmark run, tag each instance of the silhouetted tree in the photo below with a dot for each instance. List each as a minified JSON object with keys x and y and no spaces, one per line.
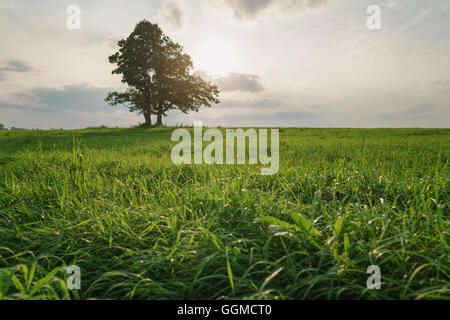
{"x":2,"y":127}
{"x":158,"y":75}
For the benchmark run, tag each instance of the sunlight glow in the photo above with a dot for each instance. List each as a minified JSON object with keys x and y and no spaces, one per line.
{"x":215,"y":56}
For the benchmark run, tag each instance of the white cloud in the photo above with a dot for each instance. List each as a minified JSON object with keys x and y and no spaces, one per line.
{"x":234,"y":81}
{"x":248,"y":9}
{"x":172,"y":14}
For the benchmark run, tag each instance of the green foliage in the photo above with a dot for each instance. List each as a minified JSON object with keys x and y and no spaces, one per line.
{"x":139,"y":227}
{"x":158,"y":74}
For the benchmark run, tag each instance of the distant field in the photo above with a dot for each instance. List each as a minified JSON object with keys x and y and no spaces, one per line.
{"x":111,"y":202}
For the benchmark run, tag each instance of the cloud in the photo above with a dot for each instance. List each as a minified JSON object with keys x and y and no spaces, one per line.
{"x":240,"y":82}
{"x":247,"y":9}
{"x":417,"y":112}
{"x":248,"y":119}
{"x":70,"y":98}
{"x":14,"y":66}
{"x":262,"y":104}
{"x":71,"y":106}
{"x":440,"y":86}
{"x":171,"y":14}
{"x":235,"y":81}
{"x":294,"y":116}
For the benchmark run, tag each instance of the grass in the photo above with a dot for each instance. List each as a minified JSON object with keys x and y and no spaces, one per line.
{"x":139,"y":227}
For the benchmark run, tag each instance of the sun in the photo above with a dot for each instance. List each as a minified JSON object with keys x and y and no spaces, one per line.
{"x":215,"y":56}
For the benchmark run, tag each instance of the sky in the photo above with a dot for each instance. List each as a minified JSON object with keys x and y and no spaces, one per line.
{"x":288,"y":63}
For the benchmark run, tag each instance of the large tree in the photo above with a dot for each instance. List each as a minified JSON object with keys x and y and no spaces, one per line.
{"x":159,"y":75}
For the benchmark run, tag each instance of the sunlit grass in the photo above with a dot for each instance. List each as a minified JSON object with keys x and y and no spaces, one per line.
{"x":112,"y":202}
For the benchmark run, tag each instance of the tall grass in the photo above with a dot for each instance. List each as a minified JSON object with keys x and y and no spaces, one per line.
{"x":139,"y":227}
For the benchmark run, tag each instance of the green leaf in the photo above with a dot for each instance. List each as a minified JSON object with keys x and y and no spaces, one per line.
{"x":44,"y":280}
{"x":30,"y":277}
{"x":271,"y":220}
{"x":230,"y":272}
{"x":269,"y":278}
{"x":17,"y":284}
{"x":304,"y":224}
{"x":338,"y":226}
{"x":346,"y":245}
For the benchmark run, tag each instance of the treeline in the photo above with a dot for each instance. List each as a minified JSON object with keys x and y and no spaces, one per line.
{"x":2,"y":127}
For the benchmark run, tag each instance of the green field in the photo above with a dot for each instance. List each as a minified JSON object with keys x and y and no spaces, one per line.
{"x":111,"y":202}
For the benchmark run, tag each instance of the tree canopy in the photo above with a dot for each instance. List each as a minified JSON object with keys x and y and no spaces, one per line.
{"x":159,"y":75}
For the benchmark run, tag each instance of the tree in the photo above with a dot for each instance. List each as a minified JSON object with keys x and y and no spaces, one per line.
{"x":2,"y":127}
{"x":158,"y":74}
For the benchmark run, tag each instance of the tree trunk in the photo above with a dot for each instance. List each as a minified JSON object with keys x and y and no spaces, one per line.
{"x":148,"y":118}
{"x":159,"y":119}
